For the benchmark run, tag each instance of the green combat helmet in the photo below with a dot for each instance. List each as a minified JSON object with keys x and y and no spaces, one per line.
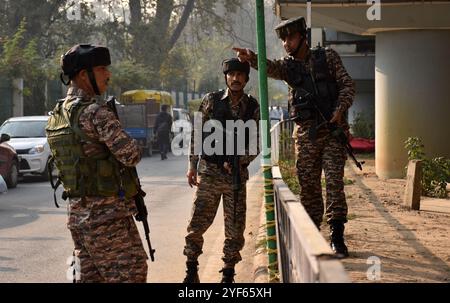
{"x":293,"y":25}
{"x":234,"y":64}
{"x":84,"y":56}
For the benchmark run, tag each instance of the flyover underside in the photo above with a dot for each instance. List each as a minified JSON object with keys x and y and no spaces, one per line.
{"x":353,"y":18}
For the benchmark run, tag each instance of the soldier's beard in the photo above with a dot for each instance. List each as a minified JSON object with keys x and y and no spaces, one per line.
{"x":236,"y":88}
{"x":236,"y":92}
{"x":236,"y":84}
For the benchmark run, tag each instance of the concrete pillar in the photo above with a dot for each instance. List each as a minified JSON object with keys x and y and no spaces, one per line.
{"x":17,"y":97}
{"x":412,"y":96}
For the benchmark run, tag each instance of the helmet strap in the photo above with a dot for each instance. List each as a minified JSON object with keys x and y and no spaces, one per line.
{"x":226,"y":82}
{"x":61,"y":76}
{"x":299,"y":46}
{"x":92,"y":80}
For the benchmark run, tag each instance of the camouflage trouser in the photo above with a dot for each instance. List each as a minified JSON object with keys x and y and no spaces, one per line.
{"x":206,"y":202}
{"x":111,"y":253}
{"x":327,"y":153}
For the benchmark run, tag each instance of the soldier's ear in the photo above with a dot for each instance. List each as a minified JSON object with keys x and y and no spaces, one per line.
{"x":82,"y":74}
{"x":302,"y":36}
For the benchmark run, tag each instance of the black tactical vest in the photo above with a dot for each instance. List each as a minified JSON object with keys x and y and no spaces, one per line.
{"x":222,"y":113}
{"x":311,"y":92}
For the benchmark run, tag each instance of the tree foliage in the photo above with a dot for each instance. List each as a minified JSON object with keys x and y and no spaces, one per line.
{"x":167,"y":44}
{"x":435,"y":171}
{"x":20,"y":58}
{"x":128,"y":75}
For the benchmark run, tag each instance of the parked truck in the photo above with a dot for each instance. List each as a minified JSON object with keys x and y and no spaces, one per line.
{"x":137,"y":112}
{"x":138,"y":124}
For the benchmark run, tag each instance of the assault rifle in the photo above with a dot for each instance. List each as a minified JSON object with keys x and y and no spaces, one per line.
{"x":139,"y":197}
{"x":336,"y":131}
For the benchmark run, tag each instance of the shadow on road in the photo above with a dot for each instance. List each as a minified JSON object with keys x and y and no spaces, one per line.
{"x":8,"y":269}
{"x":12,"y":217}
{"x":17,"y":216}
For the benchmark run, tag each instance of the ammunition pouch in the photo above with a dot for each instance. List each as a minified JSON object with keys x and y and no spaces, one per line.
{"x":222,"y":113}
{"x":302,"y":107}
{"x":311,"y":92}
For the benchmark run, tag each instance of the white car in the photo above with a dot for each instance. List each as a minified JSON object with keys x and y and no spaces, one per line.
{"x":29,"y":140}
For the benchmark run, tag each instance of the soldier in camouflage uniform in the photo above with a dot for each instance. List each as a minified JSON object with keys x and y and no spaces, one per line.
{"x":212,"y":173}
{"x":94,"y":155}
{"x":320,"y":93}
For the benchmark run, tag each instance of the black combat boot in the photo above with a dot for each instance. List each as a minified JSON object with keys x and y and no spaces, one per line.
{"x":227,"y":275}
{"x":337,"y":239}
{"x":191,"y":272}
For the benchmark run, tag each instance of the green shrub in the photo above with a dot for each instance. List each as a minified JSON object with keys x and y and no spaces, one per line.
{"x":361,"y":127}
{"x":287,"y":150}
{"x":289,"y":174}
{"x":435,"y":172}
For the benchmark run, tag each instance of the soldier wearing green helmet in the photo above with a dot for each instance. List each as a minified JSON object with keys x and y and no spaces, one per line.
{"x":94,"y":157}
{"x":320,"y":93}
{"x":291,"y":26}
{"x":214,"y":174}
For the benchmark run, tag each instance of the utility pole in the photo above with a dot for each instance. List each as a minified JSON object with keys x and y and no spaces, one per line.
{"x":266,"y":144}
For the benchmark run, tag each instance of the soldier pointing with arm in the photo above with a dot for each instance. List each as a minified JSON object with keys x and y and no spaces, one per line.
{"x":320,"y":93}
{"x":94,"y":157}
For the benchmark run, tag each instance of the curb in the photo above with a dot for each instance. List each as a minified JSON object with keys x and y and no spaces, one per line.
{"x":261,"y":262}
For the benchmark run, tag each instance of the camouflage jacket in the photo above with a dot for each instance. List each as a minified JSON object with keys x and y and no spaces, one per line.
{"x":277,"y":69}
{"x":99,"y":123}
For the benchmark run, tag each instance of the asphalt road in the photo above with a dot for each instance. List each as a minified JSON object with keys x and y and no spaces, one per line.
{"x":35,"y":243}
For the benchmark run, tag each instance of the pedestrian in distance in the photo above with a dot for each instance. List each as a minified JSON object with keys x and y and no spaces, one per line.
{"x":163,"y":128}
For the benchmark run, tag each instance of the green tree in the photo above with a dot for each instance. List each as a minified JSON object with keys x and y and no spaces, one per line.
{"x":174,"y":73}
{"x":20,"y":59}
{"x":128,"y":75}
{"x":144,"y":32}
{"x":435,"y":171}
{"x":41,"y":17}
{"x":156,"y":26}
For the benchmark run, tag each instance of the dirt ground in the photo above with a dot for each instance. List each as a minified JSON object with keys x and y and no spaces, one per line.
{"x":412,"y":246}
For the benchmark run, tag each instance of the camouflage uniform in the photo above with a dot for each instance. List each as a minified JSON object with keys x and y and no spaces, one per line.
{"x":215,"y":183}
{"x":326,"y":152}
{"x":106,"y":239}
